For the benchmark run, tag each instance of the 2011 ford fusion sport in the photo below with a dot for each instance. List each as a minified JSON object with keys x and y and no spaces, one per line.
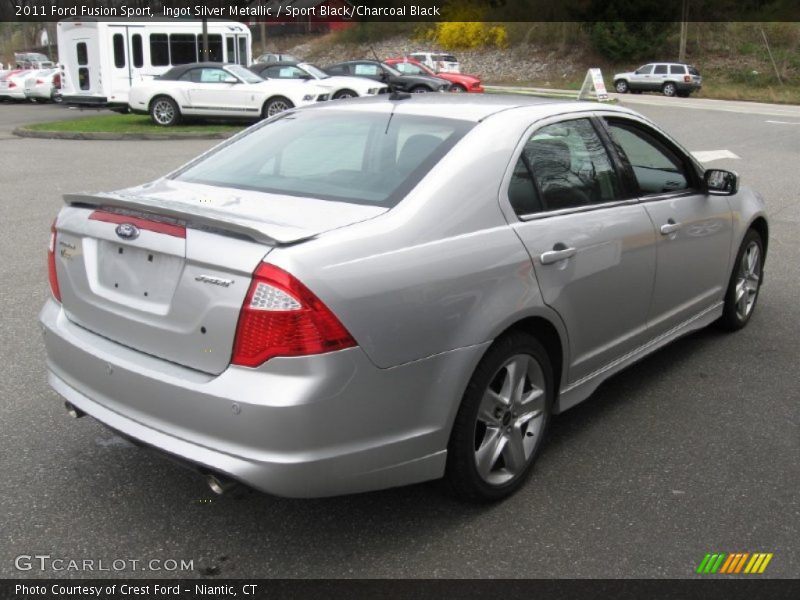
{"x":372,"y":293}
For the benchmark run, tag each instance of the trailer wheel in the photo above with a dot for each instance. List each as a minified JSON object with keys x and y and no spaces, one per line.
{"x":164,"y":111}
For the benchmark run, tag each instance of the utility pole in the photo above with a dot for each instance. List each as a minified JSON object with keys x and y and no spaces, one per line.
{"x":205,"y":39}
{"x":684,"y":30}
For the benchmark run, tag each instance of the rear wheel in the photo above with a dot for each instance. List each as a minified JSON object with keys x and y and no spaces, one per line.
{"x":276,"y":105}
{"x":745,"y":283}
{"x":164,"y":111}
{"x":621,"y":86}
{"x":501,"y":423}
{"x":342,"y":94}
{"x":420,"y":89}
{"x":669,"y":89}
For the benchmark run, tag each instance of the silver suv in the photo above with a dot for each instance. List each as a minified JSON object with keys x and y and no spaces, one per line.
{"x":671,"y":79}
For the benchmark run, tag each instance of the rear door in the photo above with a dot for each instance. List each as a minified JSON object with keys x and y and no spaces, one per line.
{"x":694,"y":229}
{"x":84,"y":68}
{"x":660,"y":76}
{"x":592,"y":246}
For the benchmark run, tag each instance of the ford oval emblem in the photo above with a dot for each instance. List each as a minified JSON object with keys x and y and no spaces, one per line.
{"x":127,"y":231}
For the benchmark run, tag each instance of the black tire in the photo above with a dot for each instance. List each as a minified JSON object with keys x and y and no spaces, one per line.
{"x":470,"y":435}
{"x":420,"y":89}
{"x":737,"y":313}
{"x":343,"y":94}
{"x":274,"y":106}
{"x":457,"y":88}
{"x":669,"y":89}
{"x":621,"y":86}
{"x":164,"y":111}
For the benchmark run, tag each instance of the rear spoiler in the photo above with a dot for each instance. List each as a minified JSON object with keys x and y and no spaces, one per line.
{"x":194,"y":216}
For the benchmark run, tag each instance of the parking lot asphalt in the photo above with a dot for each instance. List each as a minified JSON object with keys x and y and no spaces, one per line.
{"x":695,"y":449}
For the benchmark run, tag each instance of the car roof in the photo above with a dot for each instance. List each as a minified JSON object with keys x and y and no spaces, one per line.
{"x":475,"y":107}
{"x":176,"y":72}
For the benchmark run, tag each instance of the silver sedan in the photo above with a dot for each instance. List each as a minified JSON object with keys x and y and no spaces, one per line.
{"x":368,"y":294}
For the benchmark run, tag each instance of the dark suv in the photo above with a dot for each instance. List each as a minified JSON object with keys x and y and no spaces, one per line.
{"x":671,"y":79}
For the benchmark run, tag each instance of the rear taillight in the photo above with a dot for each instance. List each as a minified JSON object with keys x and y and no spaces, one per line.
{"x":687,"y":78}
{"x":39,"y":81}
{"x":11,"y":84}
{"x":51,"y":263}
{"x":282,"y":317}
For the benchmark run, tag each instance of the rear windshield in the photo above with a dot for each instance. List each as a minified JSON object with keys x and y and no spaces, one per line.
{"x":445,"y":57}
{"x":361,"y":158}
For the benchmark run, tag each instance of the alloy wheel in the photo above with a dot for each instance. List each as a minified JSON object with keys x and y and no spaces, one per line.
{"x":163,"y":112}
{"x":748,"y":280}
{"x":277,"y":106}
{"x":510,"y":419}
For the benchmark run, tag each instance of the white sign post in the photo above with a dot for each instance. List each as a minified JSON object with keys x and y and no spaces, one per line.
{"x":593,"y":87}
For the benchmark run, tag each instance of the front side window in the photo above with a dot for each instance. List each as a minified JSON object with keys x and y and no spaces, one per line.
{"x":563,"y":165}
{"x":285,"y":73}
{"x":216,"y":76}
{"x":645,"y":70}
{"x":658,"y":169}
{"x":338,"y":70}
{"x":360,"y":158}
{"x":367,"y":70}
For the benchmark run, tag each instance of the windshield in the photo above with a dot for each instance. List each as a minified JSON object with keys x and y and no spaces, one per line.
{"x":360,"y":158}
{"x":314,"y":70}
{"x":391,"y":69}
{"x":244,"y":74}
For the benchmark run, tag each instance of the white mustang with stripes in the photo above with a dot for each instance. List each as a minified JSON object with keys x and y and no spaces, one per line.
{"x":219,"y":90}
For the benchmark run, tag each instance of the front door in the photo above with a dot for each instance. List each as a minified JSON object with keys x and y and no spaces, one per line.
{"x":593,"y":249}
{"x":694,"y":229}
{"x":214,"y":90}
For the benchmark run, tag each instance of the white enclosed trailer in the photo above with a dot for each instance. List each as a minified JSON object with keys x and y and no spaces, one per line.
{"x":101,"y":59}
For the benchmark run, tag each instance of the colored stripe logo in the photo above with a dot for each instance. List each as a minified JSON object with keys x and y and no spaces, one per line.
{"x":734,"y":563}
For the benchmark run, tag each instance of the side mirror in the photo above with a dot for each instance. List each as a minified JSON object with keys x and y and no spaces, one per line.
{"x":384,"y":76}
{"x":721,"y":183}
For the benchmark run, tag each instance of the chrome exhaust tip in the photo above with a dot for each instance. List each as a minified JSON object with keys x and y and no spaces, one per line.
{"x":73,"y":411}
{"x":219,"y":484}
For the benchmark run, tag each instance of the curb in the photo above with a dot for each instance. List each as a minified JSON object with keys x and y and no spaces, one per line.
{"x":101,"y":135}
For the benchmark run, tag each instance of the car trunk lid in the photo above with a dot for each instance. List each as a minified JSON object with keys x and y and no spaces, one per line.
{"x":164,"y":268}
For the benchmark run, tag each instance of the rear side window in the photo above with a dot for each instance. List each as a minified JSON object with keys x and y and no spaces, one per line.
{"x":360,"y":158}
{"x":119,"y":50}
{"x":182,"y":48}
{"x":136,"y":50}
{"x":337,"y":70}
{"x":677,"y":70}
{"x":159,"y":50}
{"x":564,"y":165}
{"x":661,"y":70}
{"x":657,"y":168}
{"x":82,"y":54}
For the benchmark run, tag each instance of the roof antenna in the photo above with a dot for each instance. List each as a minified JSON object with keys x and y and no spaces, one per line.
{"x":396,"y":94}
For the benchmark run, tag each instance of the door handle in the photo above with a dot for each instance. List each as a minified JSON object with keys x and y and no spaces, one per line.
{"x":559,"y":252}
{"x":670,"y":227}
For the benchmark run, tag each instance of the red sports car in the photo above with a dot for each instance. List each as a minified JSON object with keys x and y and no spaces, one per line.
{"x":460,"y":83}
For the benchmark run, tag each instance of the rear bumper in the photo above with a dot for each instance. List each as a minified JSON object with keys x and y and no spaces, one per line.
{"x":299,"y":427}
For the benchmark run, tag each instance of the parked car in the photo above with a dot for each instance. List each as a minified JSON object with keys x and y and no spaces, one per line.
{"x":277,"y":57}
{"x":12,"y":85}
{"x":438,"y":62}
{"x":458,"y":82}
{"x":218,"y":90}
{"x":340,"y":87}
{"x":43,"y":85}
{"x":32,"y":60}
{"x":369,"y":294}
{"x":671,"y":79}
{"x":384,"y":73}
